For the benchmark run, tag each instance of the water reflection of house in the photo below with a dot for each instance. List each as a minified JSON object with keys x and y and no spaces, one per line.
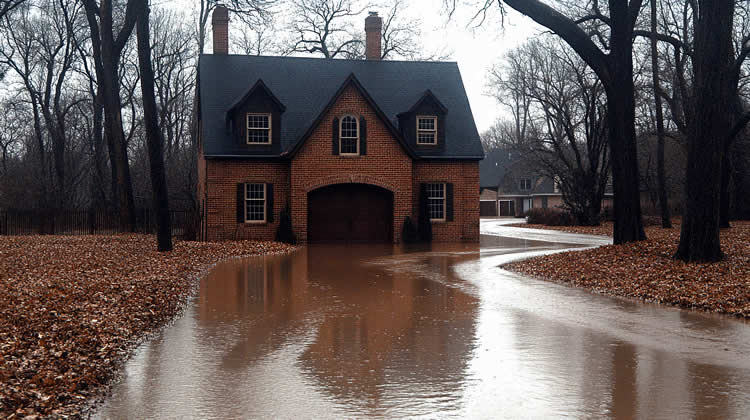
{"x":372,"y":326}
{"x":243,"y":287}
{"x":397,"y":323}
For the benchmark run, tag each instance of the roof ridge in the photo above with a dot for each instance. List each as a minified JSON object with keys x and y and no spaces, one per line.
{"x":289,"y":57}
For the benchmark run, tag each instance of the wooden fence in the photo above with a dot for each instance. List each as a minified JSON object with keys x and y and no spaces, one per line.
{"x":185,"y":223}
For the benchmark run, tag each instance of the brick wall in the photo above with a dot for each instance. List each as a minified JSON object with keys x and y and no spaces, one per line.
{"x":386,"y":164}
{"x":465,"y":179}
{"x":222,"y":177}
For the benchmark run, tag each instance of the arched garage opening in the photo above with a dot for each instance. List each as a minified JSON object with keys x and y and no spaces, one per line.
{"x":350,"y":213}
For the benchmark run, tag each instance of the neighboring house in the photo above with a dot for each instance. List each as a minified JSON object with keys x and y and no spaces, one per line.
{"x":491,"y":171}
{"x":525,"y":190}
{"x":518,"y":186}
{"x":350,"y":147}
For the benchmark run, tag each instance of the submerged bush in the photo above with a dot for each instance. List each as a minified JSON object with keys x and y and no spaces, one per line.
{"x":409,"y":232}
{"x":284,"y":233}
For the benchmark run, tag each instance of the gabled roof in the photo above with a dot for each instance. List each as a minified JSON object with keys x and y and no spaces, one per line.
{"x":305,"y":87}
{"x":259,"y":85}
{"x":492,"y":169}
{"x":352,"y":80}
{"x":427,"y":95}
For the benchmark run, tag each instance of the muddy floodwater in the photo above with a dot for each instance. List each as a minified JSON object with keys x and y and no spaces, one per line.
{"x":341,"y":331}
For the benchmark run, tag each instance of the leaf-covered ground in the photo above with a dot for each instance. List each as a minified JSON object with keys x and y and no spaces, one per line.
{"x":72,"y":307}
{"x":646,"y":270}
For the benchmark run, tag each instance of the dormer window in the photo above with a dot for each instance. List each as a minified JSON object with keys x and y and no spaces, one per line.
{"x":349,"y":135}
{"x":258,"y":128}
{"x":426,"y":129}
{"x":525,"y":184}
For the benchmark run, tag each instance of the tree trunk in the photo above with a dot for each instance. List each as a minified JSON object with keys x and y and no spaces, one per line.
{"x":628,"y":224}
{"x":98,"y":196}
{"x":724,"y":197}
{"x":107,"y":49}
{"x":113,"y":132}
{"x":708,"y":131}
{"x":666,"y":221}
{"x":153,"y":134}
{"x":615,"y":70}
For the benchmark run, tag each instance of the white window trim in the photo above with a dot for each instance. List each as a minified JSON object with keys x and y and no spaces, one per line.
{"x":341,"y":125}
{"x":247,"y":128}
{"x":521,"y":184}
{"x":434,"y":131}
{"x":445,"y":200}
{"x":265,"y":205}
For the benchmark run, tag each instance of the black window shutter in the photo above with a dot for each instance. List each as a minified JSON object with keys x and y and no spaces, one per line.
{"x":423,"y":211}
{"x":335,"y":137}
{"x":269,"y":203}
{"x":362,"y":136}
{"x":449,"y":202}
{"x":240,"y":203}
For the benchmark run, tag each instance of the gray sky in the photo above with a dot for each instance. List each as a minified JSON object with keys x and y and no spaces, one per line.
{"x":475,"y":49}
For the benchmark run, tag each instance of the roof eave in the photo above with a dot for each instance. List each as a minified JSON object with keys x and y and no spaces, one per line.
{"x":236,"y":156}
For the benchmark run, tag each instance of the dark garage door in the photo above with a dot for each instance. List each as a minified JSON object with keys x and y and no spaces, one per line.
{"x":350,"y":213}
{"x":487,"y":208}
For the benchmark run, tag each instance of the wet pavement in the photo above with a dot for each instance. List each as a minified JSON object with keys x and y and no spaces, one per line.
{"x":338,"y":331}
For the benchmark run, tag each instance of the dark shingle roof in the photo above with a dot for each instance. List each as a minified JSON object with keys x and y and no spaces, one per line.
{"x":493,"y":168}
{"x":306,"y":85}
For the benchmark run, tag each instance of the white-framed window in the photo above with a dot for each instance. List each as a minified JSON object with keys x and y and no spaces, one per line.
{"x":557,"y":183}
{"x":258,"y":128}
{"x":524,"y":184}
{"x":436,"y":201}
{"x":426,"y":129}
{"x":255,"y":203}
{"x":349,"y":135}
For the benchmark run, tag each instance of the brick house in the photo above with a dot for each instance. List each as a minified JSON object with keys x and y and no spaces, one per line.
{"x":517,"y":184}
{"x":350,"y":147}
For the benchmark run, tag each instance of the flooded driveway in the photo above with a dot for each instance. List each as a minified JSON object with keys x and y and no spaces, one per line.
{"x":383,"y":331}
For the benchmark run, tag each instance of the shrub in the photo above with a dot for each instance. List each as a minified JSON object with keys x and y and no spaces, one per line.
{"x":284,"y":232}
{"x":425,"y":229}
{"x":409,"y":232}
{"x":549,"y":217}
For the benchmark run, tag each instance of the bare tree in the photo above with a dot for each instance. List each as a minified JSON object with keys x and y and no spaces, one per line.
{"x":262,"y":39}
{"x":324,"y":27}
{"x":7,"y":6}
{"x":602,"y":35}
{"x":107,"y":45}
{"x":20,"y":52}
{"x":153,"y":134}
{"x":562,"y":94}
{"x":666,"y":220}
{"x":709,"y":129}
{"x":402,"y":36}
{"x":695,"y":102}
{"x":11,"y":132}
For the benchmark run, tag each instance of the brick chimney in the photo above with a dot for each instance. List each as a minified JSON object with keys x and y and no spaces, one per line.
{"x":373,"y":31}
{"x":220,"y":23}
